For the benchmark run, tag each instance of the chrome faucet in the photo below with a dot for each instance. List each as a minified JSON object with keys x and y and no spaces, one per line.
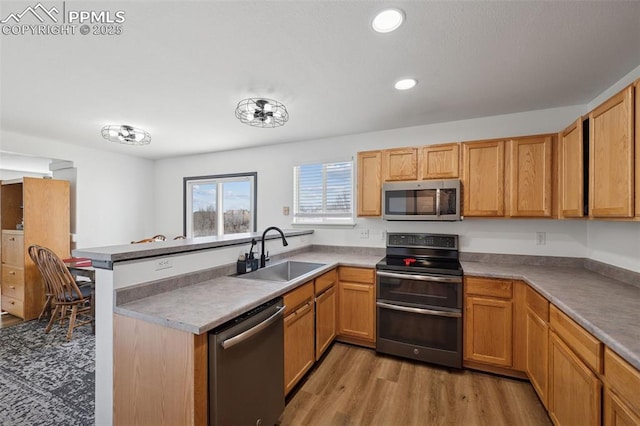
{"x":263,"y":258}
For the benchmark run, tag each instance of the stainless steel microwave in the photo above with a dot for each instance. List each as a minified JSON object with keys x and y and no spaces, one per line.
{"x":422,"y":200}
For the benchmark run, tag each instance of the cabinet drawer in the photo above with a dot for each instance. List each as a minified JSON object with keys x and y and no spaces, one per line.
{"x":13,"y":249}
{"x":13,"y":306}
{"x":587,"y":347}
{"x":489,"y":287}
{"x":538,"y":304}
{"x":297,"y":297}
{"x":12,"y":275}
{"x":622,"y":378}
{"x":325,"y":281}
{"x":357,"y":275}
{"x":12,"y":282}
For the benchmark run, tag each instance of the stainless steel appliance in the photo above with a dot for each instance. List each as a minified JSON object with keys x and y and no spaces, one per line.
{"x":419,"y":299}
{"x":246,"y":368}
{"x":422,"y":200}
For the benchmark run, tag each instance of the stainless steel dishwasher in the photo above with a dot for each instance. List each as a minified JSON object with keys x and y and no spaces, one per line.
{"x":246,"y":368}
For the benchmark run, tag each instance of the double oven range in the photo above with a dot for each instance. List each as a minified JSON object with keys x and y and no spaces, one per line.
{"x":419,"y":299}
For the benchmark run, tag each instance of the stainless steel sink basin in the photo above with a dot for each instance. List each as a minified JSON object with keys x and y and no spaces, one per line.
{"x":285,"y":271}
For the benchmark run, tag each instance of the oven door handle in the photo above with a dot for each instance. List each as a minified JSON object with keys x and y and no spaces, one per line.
{"x":420,"y":311}
{"x":453,"y":280}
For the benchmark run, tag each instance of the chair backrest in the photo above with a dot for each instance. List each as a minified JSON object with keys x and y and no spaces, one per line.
{"x":158,"y":237}
{"x":58,"y":277}
{"x":180,"y":237}
{"x":33,"y":254}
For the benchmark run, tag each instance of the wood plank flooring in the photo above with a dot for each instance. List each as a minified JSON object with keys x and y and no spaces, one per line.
{"x":7,"y":320}
{"x":354,"y":386}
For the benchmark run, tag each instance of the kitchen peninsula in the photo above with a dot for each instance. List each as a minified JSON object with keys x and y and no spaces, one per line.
{"x":194,"y":303}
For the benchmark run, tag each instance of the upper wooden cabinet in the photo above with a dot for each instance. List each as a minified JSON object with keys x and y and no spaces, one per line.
{"x":400,"y":164}
{"x":369,"y":183}
{"x":571,"y":175}
{"x":439,"y":161}
{"x":637,"y":134}
{"x":611,"y":157}
{"x":483,"y":178}
{"x":530,"y":176}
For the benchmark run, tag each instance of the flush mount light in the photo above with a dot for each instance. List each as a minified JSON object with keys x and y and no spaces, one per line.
{"x":261,"y":112}
{"x":126,"y":134}
{"x":388,"y":20}
{"x":406,"y":83}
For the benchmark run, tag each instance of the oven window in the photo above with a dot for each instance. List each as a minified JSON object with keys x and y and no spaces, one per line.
{"x":418,"y":329}
{"x":420,"y":293}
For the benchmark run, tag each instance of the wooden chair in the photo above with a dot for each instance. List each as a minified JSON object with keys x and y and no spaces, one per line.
{"x":155,"y":238}
{"x":69,"y":300}
{"x":48,"y":291}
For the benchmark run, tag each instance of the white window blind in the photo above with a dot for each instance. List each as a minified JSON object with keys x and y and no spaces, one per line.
{"x":323,"y":193}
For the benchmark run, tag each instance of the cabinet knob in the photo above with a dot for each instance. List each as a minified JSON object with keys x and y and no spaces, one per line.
{"x":12,"y":239}
{"x":12,"y":302}
{"x":12,"y":273}
{"x":12,"y":287}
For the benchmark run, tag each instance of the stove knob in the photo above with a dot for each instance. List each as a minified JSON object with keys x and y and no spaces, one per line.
{"x":415,"y":351}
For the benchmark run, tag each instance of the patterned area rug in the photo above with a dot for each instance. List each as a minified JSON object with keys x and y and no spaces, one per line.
{"x":45,"y":380}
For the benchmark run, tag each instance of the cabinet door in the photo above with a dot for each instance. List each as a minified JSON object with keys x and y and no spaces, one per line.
{"x":571,"y":171}
{"x":439,"y":161}
{"x":13,"y":249}
{"x":611,"y":157}
{"x":325,"y":320}
{"x":530,"y":176}
{"x":483,"y":178}
{"x":400,"y":164}
{"x":488,"y":331}
{"x":637,"y":136}
{"x":538,"y":354}
{"x":574,"y":390}
{"x":369,"y":183}
{"x":357,"y":310}
{"x":616,"y":412}
{"x":299,"y":353}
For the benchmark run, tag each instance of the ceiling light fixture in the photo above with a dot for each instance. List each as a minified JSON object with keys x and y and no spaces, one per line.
{"x":388,"y":20}
{"x":262,"y":112}
{"x":406,"y":84}
{"x":126,"y":135}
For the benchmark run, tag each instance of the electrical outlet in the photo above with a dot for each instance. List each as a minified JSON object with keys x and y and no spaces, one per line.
{"x":285,"y":210}
{"x":163,"y":264}
{"x":541,"y":238}
{"x":364,"y":233}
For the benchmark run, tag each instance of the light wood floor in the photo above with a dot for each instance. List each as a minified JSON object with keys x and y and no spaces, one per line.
{"x":354,"y":386}
{"x":7,"y":320}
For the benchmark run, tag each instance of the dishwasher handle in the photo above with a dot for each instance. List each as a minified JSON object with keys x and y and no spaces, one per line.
{"x":229,"y":343}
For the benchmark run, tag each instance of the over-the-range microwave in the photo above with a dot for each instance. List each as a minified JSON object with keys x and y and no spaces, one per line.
{"x":422,"y":200}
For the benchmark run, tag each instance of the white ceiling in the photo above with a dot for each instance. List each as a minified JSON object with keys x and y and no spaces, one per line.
{"x":179,"y":68}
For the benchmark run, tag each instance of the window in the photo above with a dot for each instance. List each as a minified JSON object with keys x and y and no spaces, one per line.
{"x":323,"y":193}
{"x":218,"y":205}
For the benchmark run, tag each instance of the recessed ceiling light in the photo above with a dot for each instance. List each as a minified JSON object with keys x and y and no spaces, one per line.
{"x":388,"y":20}
{"x":406,"y":83}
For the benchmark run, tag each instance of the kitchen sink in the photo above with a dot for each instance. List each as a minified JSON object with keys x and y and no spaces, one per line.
{"x":285,"y":271}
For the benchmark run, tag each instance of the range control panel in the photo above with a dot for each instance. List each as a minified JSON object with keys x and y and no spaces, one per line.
{"x":437,"y":241}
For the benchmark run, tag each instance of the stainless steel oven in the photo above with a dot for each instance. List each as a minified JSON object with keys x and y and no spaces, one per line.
{"x":419,"y":299}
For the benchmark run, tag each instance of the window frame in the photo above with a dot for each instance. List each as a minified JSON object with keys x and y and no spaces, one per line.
{"x":325,"y":219}
{"x":187,"y":202}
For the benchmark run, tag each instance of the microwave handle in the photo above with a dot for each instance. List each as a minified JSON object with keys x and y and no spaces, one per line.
{"x":437,"y":201}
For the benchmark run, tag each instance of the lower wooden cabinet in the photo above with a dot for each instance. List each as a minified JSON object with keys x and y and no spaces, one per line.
{"x":325,"y":320}
{"x":537,"y":337}
{"x":357,"y":305}
{"x":621,"y":395}
{"x":488,"y":321}
{"x":574,"y":390}
{"x":299,"y":350}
